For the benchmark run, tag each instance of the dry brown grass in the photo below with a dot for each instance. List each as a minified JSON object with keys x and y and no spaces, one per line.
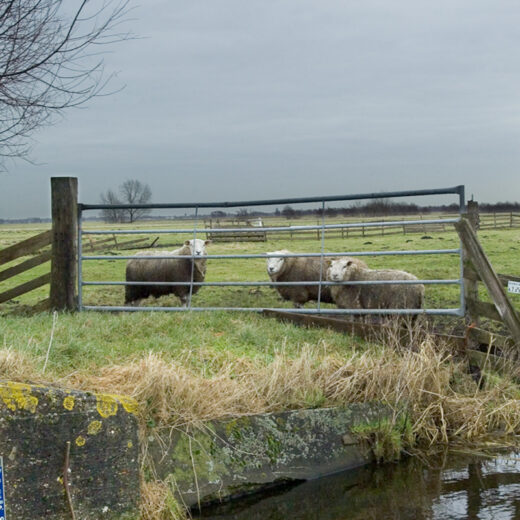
{"x":14,"y":366}
{"x":442,"y":400}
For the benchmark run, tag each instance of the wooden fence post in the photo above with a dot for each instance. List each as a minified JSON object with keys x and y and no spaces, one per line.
{"x":469,"y":274}
{"x":64,"y":196}
{"x":473,"y":214}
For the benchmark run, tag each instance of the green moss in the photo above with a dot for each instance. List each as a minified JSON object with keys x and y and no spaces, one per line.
{"x":197,"y":456}
{"x":387,"y":438}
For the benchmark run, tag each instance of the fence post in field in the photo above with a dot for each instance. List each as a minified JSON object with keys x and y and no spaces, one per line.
{"x":469,"y":274}
{"x":473,"y":214}
{"x":64,"y":197}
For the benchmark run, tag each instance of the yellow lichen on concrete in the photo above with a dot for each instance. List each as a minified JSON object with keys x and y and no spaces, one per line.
{"x":80,"y":441}
{"x":68,"y":403}
{"x":18,"y":396}
{"x":94,"y":427}
{"x":106,"y":405}
{"x":129,"y":404}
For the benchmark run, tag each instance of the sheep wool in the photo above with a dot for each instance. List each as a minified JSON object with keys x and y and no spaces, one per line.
{"x":378,"y":296}
{"x":299,"y":269}
{"x":166,"y":270}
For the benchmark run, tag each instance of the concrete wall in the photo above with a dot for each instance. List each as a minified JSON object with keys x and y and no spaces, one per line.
{"x":228,"y":458}
{"x":37,"y":422}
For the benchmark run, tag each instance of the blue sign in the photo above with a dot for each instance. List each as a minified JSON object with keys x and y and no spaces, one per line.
{"x":2,"y":494}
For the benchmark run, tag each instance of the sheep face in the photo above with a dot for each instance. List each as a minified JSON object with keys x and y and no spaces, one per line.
{"x":197,"y":246}
{"x":275,"y":264}
{"x":340,"y":270}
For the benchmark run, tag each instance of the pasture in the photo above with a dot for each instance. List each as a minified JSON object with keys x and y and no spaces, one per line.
{"x":502,"y":247}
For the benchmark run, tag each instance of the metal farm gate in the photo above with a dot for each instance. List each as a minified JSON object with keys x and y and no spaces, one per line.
{"x":320,"y":229}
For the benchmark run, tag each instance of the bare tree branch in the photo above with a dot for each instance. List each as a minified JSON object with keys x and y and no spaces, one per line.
{"x":47,"y":64}
{"x":135,"y":192}
{"x":131,"y":192}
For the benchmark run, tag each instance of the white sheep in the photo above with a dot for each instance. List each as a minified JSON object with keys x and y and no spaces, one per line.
{"x":166,"y":270}
{"x":373,"y":296}
{"x":281,"y":268}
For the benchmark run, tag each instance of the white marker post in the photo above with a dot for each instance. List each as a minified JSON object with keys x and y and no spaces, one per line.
{"x":513,"y":287}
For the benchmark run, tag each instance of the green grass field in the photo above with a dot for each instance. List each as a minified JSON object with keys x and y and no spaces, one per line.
{"x":502,"y":247}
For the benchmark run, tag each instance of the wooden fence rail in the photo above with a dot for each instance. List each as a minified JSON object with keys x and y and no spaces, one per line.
{"x":33,"y":245}
{"x":478,"y":268}
{"x":25,"y":248}
{"x":487,"y":221}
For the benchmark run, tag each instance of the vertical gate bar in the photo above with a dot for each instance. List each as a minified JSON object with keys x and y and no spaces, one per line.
{"x":322,"y":251}
{"x":80,"y":261}
{"x":462,"y":209}
{"x":193,"y":259}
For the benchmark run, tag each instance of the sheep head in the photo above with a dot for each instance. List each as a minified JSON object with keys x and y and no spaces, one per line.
{"x":341,"y":269}
{"x":276,"y":262}
{"x":197,"y":246}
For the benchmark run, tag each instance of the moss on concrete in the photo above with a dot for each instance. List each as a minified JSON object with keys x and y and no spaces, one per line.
{"x":248,"y":452}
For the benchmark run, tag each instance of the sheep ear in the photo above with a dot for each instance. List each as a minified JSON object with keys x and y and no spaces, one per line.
{"x":349,"y":263}
{"x":187,"y":243}
{"x":207,"y":242}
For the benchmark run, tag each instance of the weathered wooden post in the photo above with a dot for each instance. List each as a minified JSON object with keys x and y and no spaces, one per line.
{"x":469,"y":274}
{"x":473,"y":214}
{"x":64,"y":197}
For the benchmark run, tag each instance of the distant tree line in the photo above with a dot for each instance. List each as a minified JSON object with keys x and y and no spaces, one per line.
{"x":140,"y":193}
{"x":373,"y":208}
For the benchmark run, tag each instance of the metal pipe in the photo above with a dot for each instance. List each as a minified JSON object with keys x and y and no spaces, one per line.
{"x":274,"y":202}
{"x":80,"y":263}
{"x":388,"y":223}
{"x":284,"y":284}
{"x":291,"y":255}
{"x":449,"y":312}
{"x":193,"y":259}
{"x":318,"y":304}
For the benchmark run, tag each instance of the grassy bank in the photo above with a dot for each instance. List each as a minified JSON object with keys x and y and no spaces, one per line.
{"x":184,"y":369}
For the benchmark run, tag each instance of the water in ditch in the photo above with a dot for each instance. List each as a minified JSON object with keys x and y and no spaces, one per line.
{"x":445,"y":487}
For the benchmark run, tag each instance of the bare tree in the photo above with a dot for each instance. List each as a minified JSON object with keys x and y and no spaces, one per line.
{"x":131,"y":191}
{"x":111,"y":215}
{"x":135,"y":192}
{"x":47,"y":61}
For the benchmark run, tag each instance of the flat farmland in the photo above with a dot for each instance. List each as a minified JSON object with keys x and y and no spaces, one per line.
{"x":501,"y":245}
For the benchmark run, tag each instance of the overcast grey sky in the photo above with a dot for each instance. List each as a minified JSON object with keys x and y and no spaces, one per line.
{"x":235,"y":99}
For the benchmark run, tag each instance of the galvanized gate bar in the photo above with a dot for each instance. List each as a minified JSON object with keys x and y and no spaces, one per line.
{"x":404,"y":312}
{"x":291,"y":255}
{"x":284,"y":284}
{"x":310,"y":227}
{"x":459,"y":190}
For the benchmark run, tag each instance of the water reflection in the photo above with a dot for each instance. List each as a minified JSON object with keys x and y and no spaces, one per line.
{"x":446,"y":488}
